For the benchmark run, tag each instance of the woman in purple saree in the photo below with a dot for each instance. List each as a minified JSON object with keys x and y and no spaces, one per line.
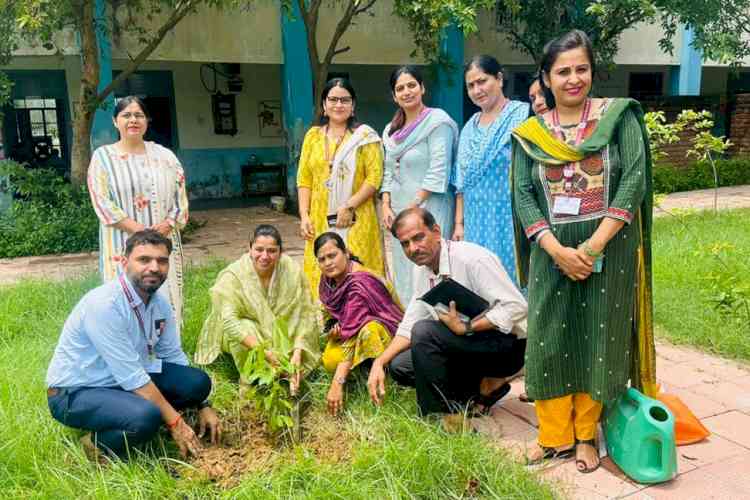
{"x":361,"y":308}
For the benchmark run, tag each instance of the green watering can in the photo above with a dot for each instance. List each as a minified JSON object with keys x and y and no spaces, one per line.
{"x":640,"y":438}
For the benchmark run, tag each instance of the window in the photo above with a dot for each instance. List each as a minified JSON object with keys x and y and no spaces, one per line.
{"x":646,"y":85}
{"x":42,"y":118}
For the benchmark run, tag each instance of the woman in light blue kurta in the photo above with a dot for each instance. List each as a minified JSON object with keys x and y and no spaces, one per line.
{"x":482,"y":176}
{"x":420,"y":146}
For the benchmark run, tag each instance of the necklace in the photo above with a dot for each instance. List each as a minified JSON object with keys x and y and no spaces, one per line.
{"x":329,"y":156}
{"x":581,"y":124}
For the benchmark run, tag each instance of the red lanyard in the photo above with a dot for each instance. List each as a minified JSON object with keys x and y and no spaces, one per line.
{"x":581,"y":124}
{"x":150,"y":341}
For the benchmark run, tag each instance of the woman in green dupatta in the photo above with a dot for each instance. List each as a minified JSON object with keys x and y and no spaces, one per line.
{"x":264,"y":297}
{"x":583,"y":207}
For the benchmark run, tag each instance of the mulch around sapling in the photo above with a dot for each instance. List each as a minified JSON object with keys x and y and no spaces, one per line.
{"x":248,"y":446}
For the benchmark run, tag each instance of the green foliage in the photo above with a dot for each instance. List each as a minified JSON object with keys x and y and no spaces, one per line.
{"x":394,"y":454}
{"x":266,"y":389}
{"x":701,"y":280}
{"x":729,"y":291}
{"x":427,"y":19}
{"x":720,"y":26}
{"x":698,"y":175}
{"x":49,"y":215}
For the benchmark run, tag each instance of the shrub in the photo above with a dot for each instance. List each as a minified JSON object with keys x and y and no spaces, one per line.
{"x":732,"y":172}
{"x":47,"y":216}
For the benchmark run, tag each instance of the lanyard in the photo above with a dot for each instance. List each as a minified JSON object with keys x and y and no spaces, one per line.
{"x":581,"y":124}
{"x":150,"y":340}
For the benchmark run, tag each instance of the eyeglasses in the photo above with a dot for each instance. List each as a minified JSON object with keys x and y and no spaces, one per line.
{"x":138,"y":116}
{"x":343,"y":100}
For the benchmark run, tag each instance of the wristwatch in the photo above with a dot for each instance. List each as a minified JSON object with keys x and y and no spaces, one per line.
{"x":469,"y":331}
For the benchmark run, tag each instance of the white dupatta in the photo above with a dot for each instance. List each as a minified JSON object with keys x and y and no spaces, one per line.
{"x":341,"y":182}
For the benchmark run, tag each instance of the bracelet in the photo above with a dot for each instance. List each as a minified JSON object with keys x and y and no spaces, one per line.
{"x":590,"y":251}
{"x":205,"y":404}
{"x":172,"y":425}
{"x":340,"y":380}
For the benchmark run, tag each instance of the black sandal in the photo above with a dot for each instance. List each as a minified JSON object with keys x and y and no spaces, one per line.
{"x":551,"y":454}
{"x":488,"y":400}
{"x":579,"y":462}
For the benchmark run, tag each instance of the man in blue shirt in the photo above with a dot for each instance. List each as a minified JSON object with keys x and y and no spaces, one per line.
{"x":118,"y":369}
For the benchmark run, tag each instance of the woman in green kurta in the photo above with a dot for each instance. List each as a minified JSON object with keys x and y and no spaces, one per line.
{"x":264,"y":297}
{"x":582,"y":189}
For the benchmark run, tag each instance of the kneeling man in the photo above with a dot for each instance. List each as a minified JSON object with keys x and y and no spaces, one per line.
{"x":118,"y":369}
{"x":452,"y":362}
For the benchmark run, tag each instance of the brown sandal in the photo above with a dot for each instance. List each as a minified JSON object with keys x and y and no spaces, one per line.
{"x":581,"y":464}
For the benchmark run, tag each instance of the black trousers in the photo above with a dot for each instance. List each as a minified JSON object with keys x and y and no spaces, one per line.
{"x":447,"y":368}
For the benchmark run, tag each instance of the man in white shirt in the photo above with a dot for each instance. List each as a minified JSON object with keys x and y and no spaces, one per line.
{"x":452,"y":362}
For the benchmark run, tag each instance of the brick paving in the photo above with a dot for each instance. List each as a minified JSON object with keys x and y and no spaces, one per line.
{"x":716,"y":390}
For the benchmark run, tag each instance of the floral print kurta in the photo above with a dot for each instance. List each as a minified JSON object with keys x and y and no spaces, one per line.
{"x":147,"y":188}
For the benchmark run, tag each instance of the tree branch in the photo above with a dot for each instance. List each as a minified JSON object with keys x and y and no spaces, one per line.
{"x":341,"y":50}
{"x":341,"y":28}
{"x":181,"y":10}
{"x":364,"y":9}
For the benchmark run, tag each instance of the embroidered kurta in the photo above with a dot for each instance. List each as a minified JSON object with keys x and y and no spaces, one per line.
{"x":364,"y":237}
{"x":584,"y":335}
{"x":147,"y":188}
{"x":282,"y":317}
{"x":424,"y":160}
{"x":483,"y":177}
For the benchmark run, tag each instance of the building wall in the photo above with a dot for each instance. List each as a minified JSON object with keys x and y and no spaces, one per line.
{"x":252,"y":34}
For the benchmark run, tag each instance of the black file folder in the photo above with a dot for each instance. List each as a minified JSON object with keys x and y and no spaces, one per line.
{"x":467,"y":302}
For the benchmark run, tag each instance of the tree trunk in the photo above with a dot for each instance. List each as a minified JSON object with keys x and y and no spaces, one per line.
{"x":87,"y":97}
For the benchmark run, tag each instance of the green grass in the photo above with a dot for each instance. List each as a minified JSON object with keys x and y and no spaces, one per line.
{"x":395,"y":454}
{"x":683,"y":259}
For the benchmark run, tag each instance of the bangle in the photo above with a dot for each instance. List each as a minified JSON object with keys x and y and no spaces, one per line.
{"x":590,"y":251}
{"x":172,"y":425}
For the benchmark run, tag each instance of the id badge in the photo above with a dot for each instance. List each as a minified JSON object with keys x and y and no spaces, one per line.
{"x":153,"y":365}
{"x":566,"y":205}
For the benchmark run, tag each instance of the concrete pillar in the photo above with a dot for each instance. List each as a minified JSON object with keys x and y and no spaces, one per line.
{"x":448,"y":91}
{"x":685,"y":79}
{"x":296,"y":90}
{"x":102,"y":131}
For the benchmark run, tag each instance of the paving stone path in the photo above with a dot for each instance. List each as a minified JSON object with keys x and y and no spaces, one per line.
{"x":715,"y":389}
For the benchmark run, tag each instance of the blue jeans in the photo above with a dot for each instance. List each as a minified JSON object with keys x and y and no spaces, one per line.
{"x":120,"y":419}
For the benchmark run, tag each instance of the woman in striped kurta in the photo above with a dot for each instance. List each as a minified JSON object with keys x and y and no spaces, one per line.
{"x":582,"y":188}
{"x":136,"y":185}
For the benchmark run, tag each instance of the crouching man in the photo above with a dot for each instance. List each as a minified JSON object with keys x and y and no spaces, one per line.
{"x":118,"y":369}
{"x":453,"y":362}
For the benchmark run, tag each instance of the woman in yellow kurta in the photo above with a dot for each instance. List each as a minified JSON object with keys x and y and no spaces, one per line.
{"x":340,"y":171}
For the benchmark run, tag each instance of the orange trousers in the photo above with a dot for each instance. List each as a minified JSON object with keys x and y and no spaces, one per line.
{"x":563,"y":420}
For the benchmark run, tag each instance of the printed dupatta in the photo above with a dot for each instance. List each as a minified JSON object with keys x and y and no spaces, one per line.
{"x":540,"y":144}
{"x":478,"y":153}
{"x":343,"y":170}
